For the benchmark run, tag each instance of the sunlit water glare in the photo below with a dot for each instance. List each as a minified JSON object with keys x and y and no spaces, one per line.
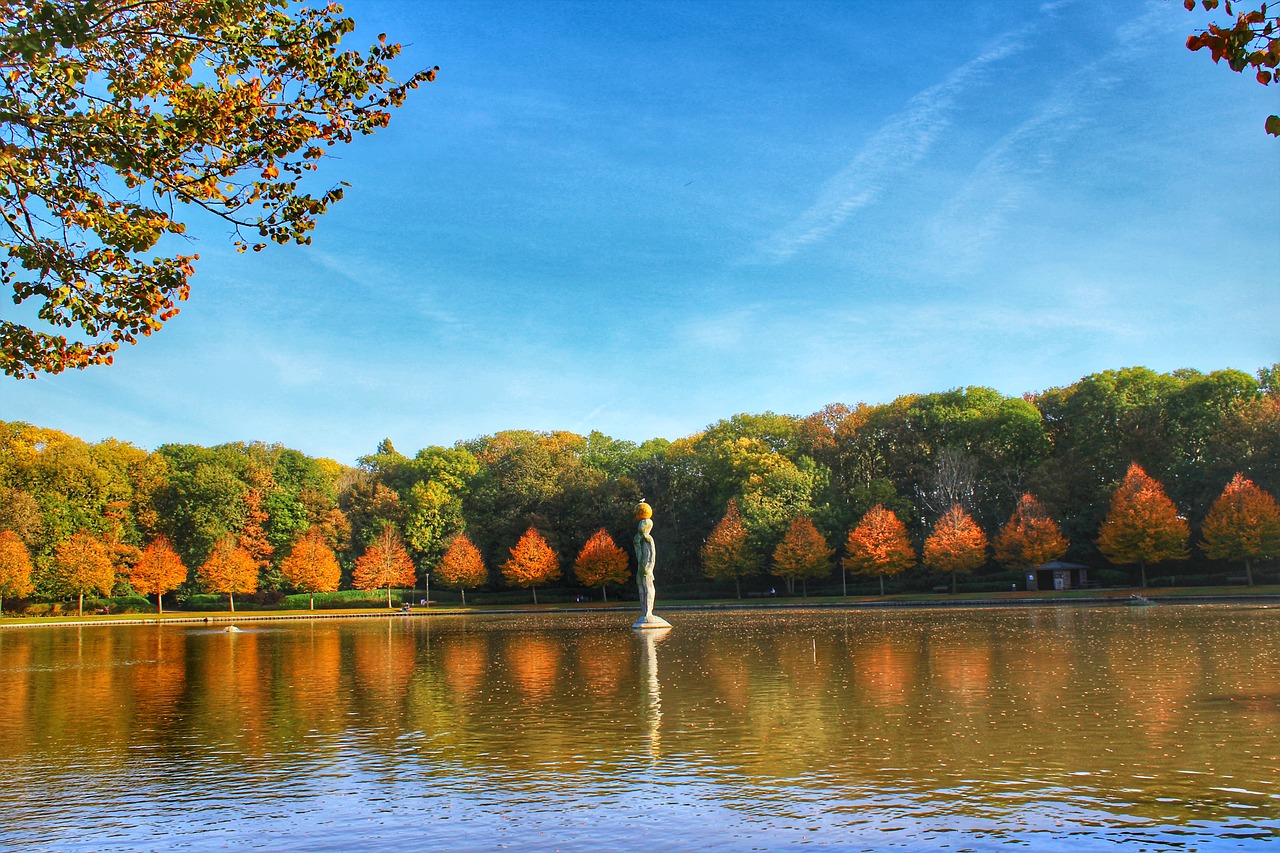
{"x":1049,"y":729}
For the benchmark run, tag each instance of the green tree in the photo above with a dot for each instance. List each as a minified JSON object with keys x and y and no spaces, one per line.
{"x":222,"y":107}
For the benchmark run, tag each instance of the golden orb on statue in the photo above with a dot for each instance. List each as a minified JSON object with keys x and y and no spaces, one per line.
{"x":643,"y":510}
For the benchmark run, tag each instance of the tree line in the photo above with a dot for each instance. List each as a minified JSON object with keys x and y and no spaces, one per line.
{"x":928,"y":483}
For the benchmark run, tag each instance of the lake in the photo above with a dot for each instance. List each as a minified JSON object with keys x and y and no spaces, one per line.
{"x":1056,"y":728}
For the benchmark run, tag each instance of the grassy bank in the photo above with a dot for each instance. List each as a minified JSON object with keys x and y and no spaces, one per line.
{"x":1166,"y":595}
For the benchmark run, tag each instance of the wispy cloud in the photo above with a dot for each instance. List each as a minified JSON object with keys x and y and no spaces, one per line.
{"x":900,"y":143}
{"x":1005,"y":179}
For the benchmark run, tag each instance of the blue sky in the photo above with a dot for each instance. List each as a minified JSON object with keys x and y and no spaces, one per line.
{"x":644,"y":217}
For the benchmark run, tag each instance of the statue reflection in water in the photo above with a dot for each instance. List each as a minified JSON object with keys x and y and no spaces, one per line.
{"x":652,"y":689}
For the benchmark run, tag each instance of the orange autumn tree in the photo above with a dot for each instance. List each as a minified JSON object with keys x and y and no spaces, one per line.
{"x":601,"y":561}
{"x":726,"y":553}
{"x":462,"y":566}
{"x":311,"y":566}
{"x":803,"y":553}
{"x":1143,"y":525}
{"x":386,"y":563}
{"x":253,"y":535}
{"x":532,"y":562}
{"x":81,"y":564}
{"x":230,"y":569}
{"x":158,"y":570}
{"x":1030,"y":537}
{"x":1243,"y":524}
{"x":15,"y":567}
{"x":956,"y":544}
{"x":879,"y":545}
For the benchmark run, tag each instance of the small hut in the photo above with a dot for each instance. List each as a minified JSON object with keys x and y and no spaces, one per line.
{"x":1058,"y":575}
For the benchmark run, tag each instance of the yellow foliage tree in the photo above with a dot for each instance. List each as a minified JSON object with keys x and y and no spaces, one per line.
{"x":956,"y":544}
{"x":81,"y":564}
{"x":15,"y":567}
{"x":879,"y":545}
{"x":311,"y":566}
{"x":532,"y":562}
{"x":385,"y":564}
{"x":230,"y":569}
{"x":158,"y":570}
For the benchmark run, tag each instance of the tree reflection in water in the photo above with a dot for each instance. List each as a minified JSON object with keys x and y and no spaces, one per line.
{"x":959,"y":719}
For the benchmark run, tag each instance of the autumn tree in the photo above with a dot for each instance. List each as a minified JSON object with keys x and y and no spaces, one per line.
{"x":1251,"y":42}
{"x":1142,"y":525}
{"x":81,"y":564}
{"x":462,"y":566}
{"x":230,"y":569}
{"x":532,"y":562}
{"x":803,"y":553}
{"x":1030,"y":537}
{"x":601,"y":561}
{"x":726,"y":553}
{"x":385,"y":563}
{"x":158,"y":570}
{"x":117,"y":114}
{"x":956,"y":544}
{"x":253,"y":535}
{"x":15,"y":567}
{"x":1243,"y":524}
{"x":311,"y":566}
{"x":879,"y":545}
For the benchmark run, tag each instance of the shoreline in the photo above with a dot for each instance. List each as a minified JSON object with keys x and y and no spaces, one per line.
{"x":1118,"y":599}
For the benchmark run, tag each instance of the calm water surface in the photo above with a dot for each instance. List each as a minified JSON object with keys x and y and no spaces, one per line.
{"x":1157,"y":728}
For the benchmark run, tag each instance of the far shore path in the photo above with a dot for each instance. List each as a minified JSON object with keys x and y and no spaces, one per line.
{"x":1266,"y":595}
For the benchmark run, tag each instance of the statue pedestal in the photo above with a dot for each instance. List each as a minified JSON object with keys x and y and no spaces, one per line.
{"x":651,"y":621}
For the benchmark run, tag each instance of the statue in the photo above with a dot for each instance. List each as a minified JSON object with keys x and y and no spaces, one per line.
{"x":646,"y":557}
